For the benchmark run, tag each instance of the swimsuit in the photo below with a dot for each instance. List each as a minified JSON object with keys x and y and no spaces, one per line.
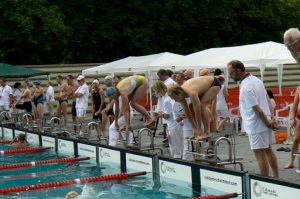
{"x":216,"y":82}
{"x":61,"y":101}
{"x":135,"y":83}
{"x":38,"y":100}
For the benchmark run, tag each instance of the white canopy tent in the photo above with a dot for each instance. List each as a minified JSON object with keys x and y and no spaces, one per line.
{"x":134,"y":64}
{"x":262,"y":55}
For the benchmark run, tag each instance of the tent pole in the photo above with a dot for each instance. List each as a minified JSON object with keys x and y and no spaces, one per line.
{"x":150,"y":92}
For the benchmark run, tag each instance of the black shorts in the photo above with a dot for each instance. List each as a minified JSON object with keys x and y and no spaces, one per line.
{"x":74,"y":114}
{"x":110,"y":112}
{"x":26,"y":106}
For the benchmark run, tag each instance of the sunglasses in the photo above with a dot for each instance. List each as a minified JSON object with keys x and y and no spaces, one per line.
{"x":292,"y":43}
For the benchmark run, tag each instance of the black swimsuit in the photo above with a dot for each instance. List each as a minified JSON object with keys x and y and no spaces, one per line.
{"x":216,"y":82}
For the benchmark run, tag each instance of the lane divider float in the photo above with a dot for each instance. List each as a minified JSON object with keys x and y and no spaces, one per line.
{"x":24,"y":150}
{"x":37,"y":163}
{"x":225,"y":196}
{"x":5,"y":141}
{"x":73,"y":181}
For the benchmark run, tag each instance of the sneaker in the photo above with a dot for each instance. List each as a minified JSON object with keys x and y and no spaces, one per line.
{"x":81,"y":134}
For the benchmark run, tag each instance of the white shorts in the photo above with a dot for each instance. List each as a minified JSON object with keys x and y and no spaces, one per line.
{"x":223,"y":113}
{"x":261,"y":140}
{"x":80,"y":112}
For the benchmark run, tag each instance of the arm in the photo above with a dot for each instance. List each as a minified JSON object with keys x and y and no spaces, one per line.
{"x":270,"y":106}
{"x":117,"y":113}
{"x":102,"y":96}
{"x":295,"y":106}
{"x":189,"y":114}
{"x":263,"y":117}
{"x":125,"y":109}
{"x":225,"y":92}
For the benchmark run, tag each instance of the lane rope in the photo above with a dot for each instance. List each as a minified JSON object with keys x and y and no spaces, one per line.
{"x":43,"y":162}
{"x":24,"y":150}
{"x":72,"y":181}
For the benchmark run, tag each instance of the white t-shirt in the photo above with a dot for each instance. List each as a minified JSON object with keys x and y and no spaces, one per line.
{"x":221,"y":101}
{"x":82,"y":102}
{"x":17,"y":95}
{"x":178,"y":110}
{"x":253,"y":92}
{"x":160,"y":100}
{"x":50,"y":94}
{"x":168,"y":108}
{"x":4,"y":95}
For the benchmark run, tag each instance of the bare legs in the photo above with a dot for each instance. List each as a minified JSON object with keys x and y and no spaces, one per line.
{"x":266,"y":157}
{"x":295,"y":145}
{"x":137,"y":96}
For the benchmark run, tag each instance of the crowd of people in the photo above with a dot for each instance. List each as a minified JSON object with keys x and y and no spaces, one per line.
{"x":190,"y":107}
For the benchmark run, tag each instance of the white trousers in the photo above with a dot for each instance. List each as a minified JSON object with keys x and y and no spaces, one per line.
{"x":175,"y":137}
{"x":114,"y":134}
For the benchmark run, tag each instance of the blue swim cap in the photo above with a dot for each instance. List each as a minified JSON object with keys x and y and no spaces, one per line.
{"x":110,"y":91}
{"x":37,"y":82}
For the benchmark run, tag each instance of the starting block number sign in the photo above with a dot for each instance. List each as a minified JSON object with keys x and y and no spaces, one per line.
{"x":8,"y":133}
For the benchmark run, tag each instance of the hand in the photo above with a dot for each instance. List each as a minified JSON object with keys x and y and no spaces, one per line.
{"x":117,"y":126}
{"x":274,"y":125}
{"x":293,"y":123}
{"x":104,"y":110}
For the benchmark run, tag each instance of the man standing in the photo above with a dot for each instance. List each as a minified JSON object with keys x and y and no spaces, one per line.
{"x":50,"y":99}
{"x":6,"y":96}
{"x":291,"y":39}
{"x":62,"y":99}
{"x":81,"y":95}
{"x":256,"y":116}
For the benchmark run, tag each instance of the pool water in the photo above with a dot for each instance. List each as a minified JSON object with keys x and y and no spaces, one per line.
{"x":142,"y":187}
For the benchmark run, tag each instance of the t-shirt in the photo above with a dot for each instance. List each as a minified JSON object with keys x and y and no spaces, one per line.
{"x":221,"y":101}
{"x":168,"y":108}
{"x":4,"y":94}
{"x":253,"y":92}
{"x":178,"y":110}
{"x":160,"y":100}
{"x":50,"y":94}
{"x":82,"y":102}
{"x":17,"y":96}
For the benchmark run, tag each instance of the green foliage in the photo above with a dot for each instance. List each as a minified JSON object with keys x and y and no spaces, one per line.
{"x":57,"y":31}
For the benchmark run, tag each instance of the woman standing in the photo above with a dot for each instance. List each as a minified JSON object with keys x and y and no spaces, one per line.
{"x":38,"y":95}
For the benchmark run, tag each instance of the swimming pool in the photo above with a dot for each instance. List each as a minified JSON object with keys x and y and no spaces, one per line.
{"x":166,"y":177}
{"x":137,"y":187}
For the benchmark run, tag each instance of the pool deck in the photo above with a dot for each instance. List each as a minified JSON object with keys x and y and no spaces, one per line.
{"x":242,"y":151}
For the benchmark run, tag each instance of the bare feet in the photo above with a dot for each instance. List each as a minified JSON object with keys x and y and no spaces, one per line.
{"x":289,"y":166}
{"x":204,"y":136}
{"x":150,"y":123}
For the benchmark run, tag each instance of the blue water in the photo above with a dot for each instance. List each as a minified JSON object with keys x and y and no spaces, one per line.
{"x":141,"y":187}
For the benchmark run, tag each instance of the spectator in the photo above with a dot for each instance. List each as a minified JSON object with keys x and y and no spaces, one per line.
{"x":50,"y":101}
{"x":221,"y":106}
{"x":17,"y":94}
{"x":81,"y":95}
{"x":6,"y":96}
{"x":256,"y":115}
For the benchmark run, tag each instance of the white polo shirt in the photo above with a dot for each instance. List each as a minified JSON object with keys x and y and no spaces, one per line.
{"x":253,"y":92}
{"x":50,"y":94}
{"x":160,"y":100}
{"x":4,"y":95}
{"x":82,"y":102}
{"x":168,"y":108}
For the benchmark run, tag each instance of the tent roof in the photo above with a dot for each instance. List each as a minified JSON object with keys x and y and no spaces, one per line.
{"x":268,"y":53}
{"x":7,"y":70}
{"x":135,"y":64}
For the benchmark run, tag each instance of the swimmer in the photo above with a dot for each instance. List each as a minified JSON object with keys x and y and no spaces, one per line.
{"x":20,"y":141}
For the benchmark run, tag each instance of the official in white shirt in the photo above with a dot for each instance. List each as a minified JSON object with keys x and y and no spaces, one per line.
{"x":6,"y":96}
